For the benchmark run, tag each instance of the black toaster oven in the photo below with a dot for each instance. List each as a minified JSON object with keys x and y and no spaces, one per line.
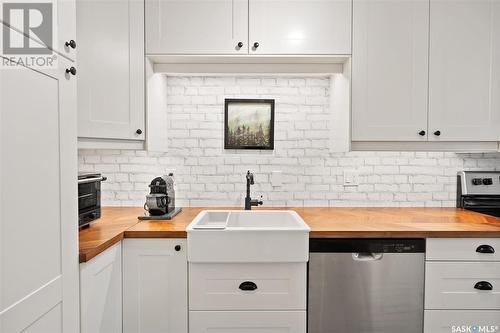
{"x":89,"y":197}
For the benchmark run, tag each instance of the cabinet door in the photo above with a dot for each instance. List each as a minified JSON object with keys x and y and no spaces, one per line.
{"x":111,"y":69}
{"x":66,"y":11}
{"x":196,"y":26}
{"x":56,"y":20}
{"x":247,"y":321}
{"x":38,"y":164}
{"x":390,"y":70}
{"x":155,"y":285}
{"x":464,"y":80}
{"x":454,"y":285}
{"x":446,"y":321}
{"x":300,"y":26}
{"x":462,"y":249}
{"x":101,"y":292}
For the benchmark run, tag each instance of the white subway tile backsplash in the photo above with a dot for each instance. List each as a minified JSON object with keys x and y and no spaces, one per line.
{"x":207,"y":175}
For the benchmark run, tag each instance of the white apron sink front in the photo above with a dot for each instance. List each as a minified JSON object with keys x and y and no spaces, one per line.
{"x":248,"y":236}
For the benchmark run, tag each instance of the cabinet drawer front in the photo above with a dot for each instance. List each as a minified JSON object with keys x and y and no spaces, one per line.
{"x":463,"y":249}
{"x":247,"y":286}
{"x":453,"y":285}
{"x":446,"y":321}
{"x":247,"y":321}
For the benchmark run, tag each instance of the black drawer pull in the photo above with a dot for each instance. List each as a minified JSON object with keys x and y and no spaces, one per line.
{"x":483,"y":285}
{"x":485,"y":249}
{"x":248,"y":286}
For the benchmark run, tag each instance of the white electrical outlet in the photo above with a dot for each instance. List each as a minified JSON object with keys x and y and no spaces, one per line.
{"x":351,"y":178}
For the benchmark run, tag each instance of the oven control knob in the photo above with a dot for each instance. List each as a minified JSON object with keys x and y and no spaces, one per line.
{"x":488,"y":181}
{"x":477,"y":181}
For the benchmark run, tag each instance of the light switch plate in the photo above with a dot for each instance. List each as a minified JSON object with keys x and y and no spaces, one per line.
{"x":351,"y":178}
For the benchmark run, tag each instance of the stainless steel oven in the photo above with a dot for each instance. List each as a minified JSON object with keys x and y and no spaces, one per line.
{"x":89,"y":197}
{"x":479,"y":191}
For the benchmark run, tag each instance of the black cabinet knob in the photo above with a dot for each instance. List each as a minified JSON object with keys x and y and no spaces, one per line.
{"x":71,"y":70}
{"x":248,"y":286}
{"x":240,"y":45}
{"x":485,"y":249}
{"x":138,"y":132}
{"x":71,"y":44}
{"x":177,"y":248}
{"x":437,"y":133}
{"x":421,"y":133}
{"x":256,"y":45}
{"x":483,"y":285}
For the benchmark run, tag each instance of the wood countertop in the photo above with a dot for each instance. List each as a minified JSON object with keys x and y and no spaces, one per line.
{"x":117,"y":223}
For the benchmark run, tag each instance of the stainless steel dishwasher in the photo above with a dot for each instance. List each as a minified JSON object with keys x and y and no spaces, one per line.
{"x":366,"y":285}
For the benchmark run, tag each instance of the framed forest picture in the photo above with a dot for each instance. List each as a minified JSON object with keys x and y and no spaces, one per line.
{"x":249,"y":124}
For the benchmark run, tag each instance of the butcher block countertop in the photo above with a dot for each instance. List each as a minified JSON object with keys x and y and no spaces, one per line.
{"x":117,"y":223}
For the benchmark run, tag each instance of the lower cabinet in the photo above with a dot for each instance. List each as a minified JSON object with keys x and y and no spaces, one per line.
{"x":461,"y":276}
{"x":446,"y":321}
{"x":155,"y":285}
{"x":247,"y":297}
{"x":101,"y":292}
{"x":462,"y":285}
{"x":247,"y":286}
{"x":247,"y":321}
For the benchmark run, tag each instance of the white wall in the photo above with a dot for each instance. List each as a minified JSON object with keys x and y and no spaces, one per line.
{"x":207,"y":175}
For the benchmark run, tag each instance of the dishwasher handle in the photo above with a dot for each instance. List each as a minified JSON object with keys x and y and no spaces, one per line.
{"x":367,"y":256}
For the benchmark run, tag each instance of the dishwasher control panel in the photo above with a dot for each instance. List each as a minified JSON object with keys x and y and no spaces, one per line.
{"x":383,"y":245}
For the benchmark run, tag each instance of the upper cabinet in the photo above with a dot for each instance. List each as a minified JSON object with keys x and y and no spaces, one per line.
{"x":63,"y":12}
{"x":389,"y":70}
{"x":426,"y":70}
{"x":66,"y":42}
{"x":300,"y":27}
{"x":111,"y":82}
{"x":464,"y":81}
{"x":196,"y":26}
{"x":311,"y":27}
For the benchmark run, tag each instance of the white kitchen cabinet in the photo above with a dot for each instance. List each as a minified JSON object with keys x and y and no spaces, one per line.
{"x":39,"y":248}
{"x":101,"y":292}
{"x":63,"y":25}
{"x":247,"y":321}
{"x":155,"y":279}
{"x":300,"y":27}
{"x":390,"y":70}
{"x":278,"y":286}
{"x":314,"y":27}
{"x":463,"y":249}
{"x":455,"y":285}
{"x":111,"y":82}
{"x":66,"y":29}
{"x":464,"y":74}
{"x":461,"y":275}
{"x":196,"y":26}
{"x":446,"y":321}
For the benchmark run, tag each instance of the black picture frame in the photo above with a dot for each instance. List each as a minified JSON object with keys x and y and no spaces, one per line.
{"x":230,"y":142}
